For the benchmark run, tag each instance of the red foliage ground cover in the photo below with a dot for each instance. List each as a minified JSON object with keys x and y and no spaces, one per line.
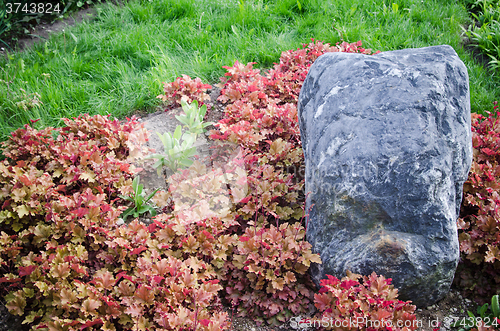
{"x":67,"y":264}
{"x":479,"y":224}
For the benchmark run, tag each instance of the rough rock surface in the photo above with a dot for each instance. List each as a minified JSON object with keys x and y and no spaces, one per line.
{"x":387,"y":145}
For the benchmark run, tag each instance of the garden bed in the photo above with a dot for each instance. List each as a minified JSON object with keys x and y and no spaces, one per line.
{"x":271,"y":137}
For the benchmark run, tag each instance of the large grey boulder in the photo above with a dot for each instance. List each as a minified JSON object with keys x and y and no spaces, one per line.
{"x":387,"y":144}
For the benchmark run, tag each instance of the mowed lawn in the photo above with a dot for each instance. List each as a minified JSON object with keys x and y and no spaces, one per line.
{"x":116,"y":62}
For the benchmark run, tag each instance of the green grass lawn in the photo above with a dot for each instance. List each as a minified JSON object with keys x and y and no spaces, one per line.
{"x":115,"y":64}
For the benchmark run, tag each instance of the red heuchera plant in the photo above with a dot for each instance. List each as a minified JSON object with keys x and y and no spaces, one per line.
{"x":65,"y":262}
{"x":198,"y":193}
{"x":261,"y":116}
{"x":266,"y":277}
{"x":478,"y":225}
{"x":187,"y":89}
{"x":90,"y":154}
{"x":362,"y":303}
{"x":133,"y":282}
{"x":243,"y":263}
{"x":286,"y":78}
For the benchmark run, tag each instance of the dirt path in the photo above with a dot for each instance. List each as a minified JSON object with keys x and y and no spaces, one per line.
{"x":42,"y":31}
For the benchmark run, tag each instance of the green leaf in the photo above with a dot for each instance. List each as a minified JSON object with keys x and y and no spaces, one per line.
{"x":127,"y":213}
{"x":17,"y":226}
{"x":170,"y":141}
{"x":190,"y":109}
{"x":173,"y":165}
{"x":139,"y":200}
{"x":183,"y":119}
{"x":154,"y":156}
{"x":189,"y":140}
{"x":186,"y":162}
{"x":190,"y":152}
{"x":176,"y":151}
{"x":151,"y":195}
{"x":74,"y":37}
{"x":32,"y":315}
{"x":482,"y":310}
{"x":494,"y":306}
{"x":203,"y":112}
{"x":142,"y":209}
{"x":471,"y":315}
{"x":178,"y":132}
{"x":159,"y":163}
{"x":395,"y":7}
{"x":135,"y":184}
{"x":22,"y":210}
{"x":184,"y":104}
{"x":235,"y":30}
{"x":151,"y":210}
{"x":140,"y":189}
{"x":166,"y":140}
{"x":21,"y":65}
{"x":126,"y":198}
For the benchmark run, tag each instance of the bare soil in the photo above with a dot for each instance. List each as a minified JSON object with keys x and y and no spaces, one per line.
{"x":42,"y":31}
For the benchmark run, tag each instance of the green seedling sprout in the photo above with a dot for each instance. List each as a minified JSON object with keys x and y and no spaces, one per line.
{"x":139,"y":203}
